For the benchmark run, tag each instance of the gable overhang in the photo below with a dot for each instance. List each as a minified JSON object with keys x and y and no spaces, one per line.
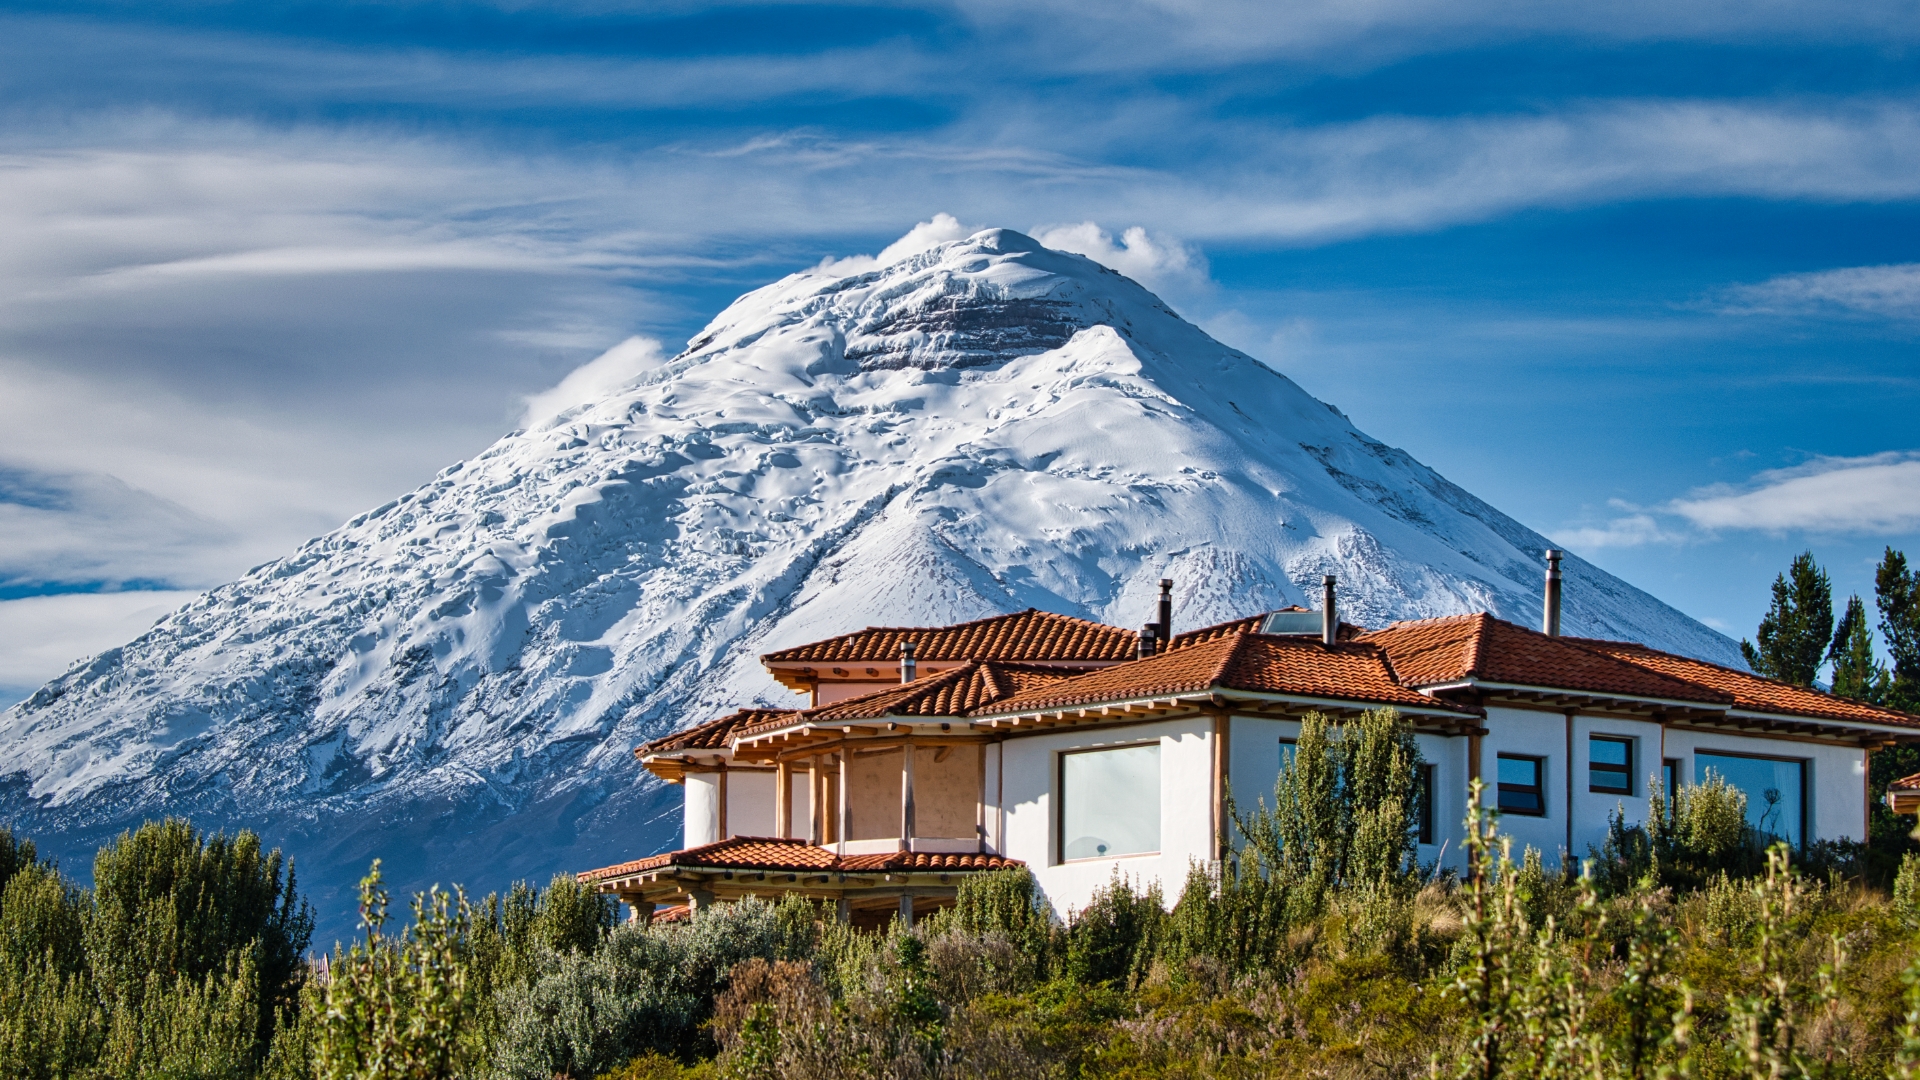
{"x":1561,"y":699}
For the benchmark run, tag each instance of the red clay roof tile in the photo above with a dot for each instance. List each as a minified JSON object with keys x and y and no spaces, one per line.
{"x":1257,"y":663}
{"x":1434,"y":651}
{"x":1746,"y":690}
{"x":1030,"y":635}
{"x":712,"y":735}
{"x":795,"y":856}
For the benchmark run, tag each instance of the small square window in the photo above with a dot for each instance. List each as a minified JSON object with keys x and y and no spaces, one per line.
{"x":1520,"y":785}
{"x":1610,"y":765}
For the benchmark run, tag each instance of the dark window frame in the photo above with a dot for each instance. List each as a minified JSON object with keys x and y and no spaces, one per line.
{"x":1806,"y":779}
{"x":1423,"y":807}
{"x":1670,"y":771}
{"x":1625,"y":772}
{"x":1060,"y":799}
{"x":1538,"y":789}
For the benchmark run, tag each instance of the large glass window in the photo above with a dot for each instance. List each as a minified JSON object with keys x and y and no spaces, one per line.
{"x":1110,"y":802}
{"x":1610,"y":764}
{"x":1775,"y":788}
{"x":1521,"y":791}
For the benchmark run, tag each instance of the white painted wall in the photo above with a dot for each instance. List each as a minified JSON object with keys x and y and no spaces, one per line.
{"x":1534,"y":734}
{"x":702,"y":809}
{"x":1448,"y":756}
{"x":1186,"y":808}
{"x":1836,"y":776}
{"x":1253,"y":759}
{"x":1591,"y":809}
{"x":750,"y":802}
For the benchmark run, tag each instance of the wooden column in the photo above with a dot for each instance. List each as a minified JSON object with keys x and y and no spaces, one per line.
{"x":1564,"y":859}
{"x":722,"y":831}
{"x":906,"y":909}
{"x":906,"y":796}
{"x":845,"y":832}
{"x":816,"y":801}
{"x":980,"y":815}
{"x":783,"y":799}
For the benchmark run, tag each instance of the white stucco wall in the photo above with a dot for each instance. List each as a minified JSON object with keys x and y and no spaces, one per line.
{"x":1533,"y":734}
{"x":701,"y":810}
{"x":1591,"y":809}
{"x":750,"y":802}
{"x":1836,"y":776}
{"x":1448,"y":756}
{"x":1028,"y":810}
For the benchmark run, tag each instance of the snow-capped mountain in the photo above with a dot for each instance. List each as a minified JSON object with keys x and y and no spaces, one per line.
{"x":454,"y":681}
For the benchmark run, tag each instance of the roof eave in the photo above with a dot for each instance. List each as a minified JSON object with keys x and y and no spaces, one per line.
{"x":1642,"y":700}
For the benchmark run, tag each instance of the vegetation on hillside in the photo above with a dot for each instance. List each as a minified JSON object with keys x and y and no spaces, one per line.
{"x":1686,"y":949}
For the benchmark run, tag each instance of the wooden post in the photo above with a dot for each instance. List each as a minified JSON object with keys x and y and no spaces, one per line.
{"x":906,"y":909}
{"x":980,"y":811}
{"x":816,"y":801}
{"x":906,"y":796}
{"x":845,"y":832}
{"x":722,"y":831}
{"x":783,"y":799}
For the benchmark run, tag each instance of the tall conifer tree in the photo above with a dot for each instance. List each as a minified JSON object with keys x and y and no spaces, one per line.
{"x":1798,"y":629}
{"x":1897,"y":593}
{"x":1857,"y":673}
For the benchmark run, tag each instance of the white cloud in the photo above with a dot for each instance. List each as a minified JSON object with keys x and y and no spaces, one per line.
{"x":40,"y":636}
{"x":595,"y":379}
{"x":1158,"y":262}
{"x":927,"y":235}
{"x":1874,"y":495}
{"x":1632,"y":530}
{"x":1892,"y":291}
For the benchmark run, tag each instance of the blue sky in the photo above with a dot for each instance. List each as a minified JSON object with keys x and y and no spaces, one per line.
{"x":1644,"y":275}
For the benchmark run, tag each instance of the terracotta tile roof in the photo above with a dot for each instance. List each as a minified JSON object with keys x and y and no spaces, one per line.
{"x":1025,"y":635}
{"x":733,"y":853}
{"x":1749,"y":691}
{"x":925,"y":861}
{"x":1434,"y":651}
{"x":1257,"y":663}
{"x":954,"y":692}
{"x":796,"y":856}
{"x":712,"y":735}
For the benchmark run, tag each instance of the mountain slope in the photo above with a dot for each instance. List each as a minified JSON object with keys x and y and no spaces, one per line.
{"x":453,"y":681}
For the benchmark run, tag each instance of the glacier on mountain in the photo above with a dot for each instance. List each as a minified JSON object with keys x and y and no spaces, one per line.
{"x":454,"y":681}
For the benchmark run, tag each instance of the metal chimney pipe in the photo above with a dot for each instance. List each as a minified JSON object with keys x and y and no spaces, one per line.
{"x":908,"y":669}
{"x":1146,"y":647}
{"x":1329,"y":614}
{"x":1552,"y":615}
{"x":1166,"y":610}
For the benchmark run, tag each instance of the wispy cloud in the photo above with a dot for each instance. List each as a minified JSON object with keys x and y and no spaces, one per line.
{"x":1892,"y":291}
{"x":41,"y":635}
{"x":1873,"y":495}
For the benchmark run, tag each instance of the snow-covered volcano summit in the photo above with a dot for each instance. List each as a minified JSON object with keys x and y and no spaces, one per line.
{"x":454,"y":680}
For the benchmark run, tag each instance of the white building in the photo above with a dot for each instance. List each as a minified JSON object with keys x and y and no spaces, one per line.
{"x":1079,"y":749}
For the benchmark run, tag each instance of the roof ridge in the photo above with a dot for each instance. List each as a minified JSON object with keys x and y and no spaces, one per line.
{"x":1239,"y":642}
{"x":1473,"y":658}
